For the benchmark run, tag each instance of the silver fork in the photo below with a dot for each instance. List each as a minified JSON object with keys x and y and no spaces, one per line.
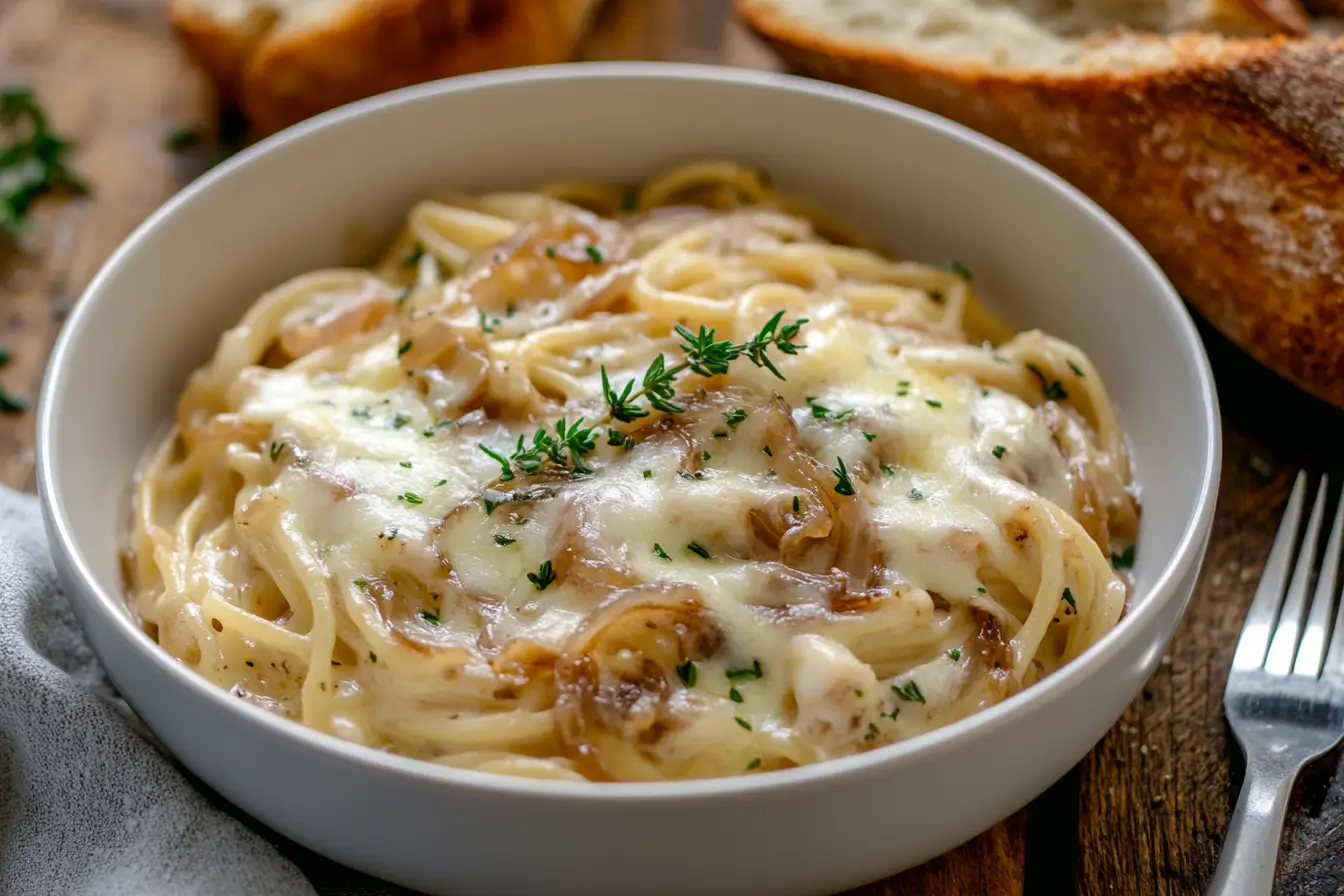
{"x":1285,"y":694}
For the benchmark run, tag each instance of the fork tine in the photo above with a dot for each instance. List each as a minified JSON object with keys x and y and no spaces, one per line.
{"x":1284,"y":645}
{"x":1312,"y":649}
{"x":1265,"y":606}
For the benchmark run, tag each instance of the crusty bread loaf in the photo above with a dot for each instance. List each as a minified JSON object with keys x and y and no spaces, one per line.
{"x":285,"y":60}
{"x":1220,"y":148}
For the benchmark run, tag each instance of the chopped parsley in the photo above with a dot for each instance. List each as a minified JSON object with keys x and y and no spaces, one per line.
{"x":411,"y":498}
{"x":754,"y":764}
{"x":648,"y":474}
{"x":276,"y":448}
{"x":742,"y":723}
{"x":1074,"y":367}
{"x":888,"y":468}
{"x":916,"y":495}
{"x":698,"y":549}
{"x":659,"y":552}
{"x":734,"y":417}
{"x":869,"y":435}
{"x":933,"y":403}
{"x":618,"y":439}
{"x":361,"y":583}
{"x":543,"y":577}
{"x":1000,"y":451}
{"x":752,"y":672}
{"x":909,"y":691}
{"x":1053,"y":389}
{"x":487,"y":326}
{"x":954,"y":654}
{"x":550,"y":251}
{"x":404,"y":348}
{"x":430,"y":617}
{"x":901,"y":393}
{"x":903,"y":383}
{"x":1123,"y":560}
{"x":440,"y":483}
{"x":768,"y":453}
{"x":688,"y":673}
{"x":405,"y":463}
{"x":982,"y":590}
{"x":400,"y":420}
{"x":705,"y":455}
{"x":594,"y":253}
{"x":1068,"y":599}
{"x":844,"y":485}
{"x":735,"y":695}
{"x":504,"y":540}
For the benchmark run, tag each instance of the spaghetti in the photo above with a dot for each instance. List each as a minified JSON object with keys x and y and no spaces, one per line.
{"x":585,"y":483}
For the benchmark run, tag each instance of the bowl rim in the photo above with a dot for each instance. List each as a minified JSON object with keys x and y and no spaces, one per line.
{"x":103,"y":605}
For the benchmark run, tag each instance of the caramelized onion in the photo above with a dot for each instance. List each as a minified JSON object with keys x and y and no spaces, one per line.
{"x":617,"y":672}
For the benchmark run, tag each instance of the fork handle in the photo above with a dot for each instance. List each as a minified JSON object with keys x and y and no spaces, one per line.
{"x":1251,"y":850}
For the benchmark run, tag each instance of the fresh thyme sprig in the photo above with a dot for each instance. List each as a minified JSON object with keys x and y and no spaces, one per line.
{"x":566,"y":448}
{"x":33,"y":160}
{"x":705,"y":356}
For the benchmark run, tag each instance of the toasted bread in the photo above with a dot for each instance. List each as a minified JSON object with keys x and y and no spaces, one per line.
{"x":1220,"y":147}
{"x":283,"y":61}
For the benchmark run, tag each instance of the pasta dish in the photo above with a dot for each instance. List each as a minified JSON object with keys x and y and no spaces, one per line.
{"x":591,"y":483}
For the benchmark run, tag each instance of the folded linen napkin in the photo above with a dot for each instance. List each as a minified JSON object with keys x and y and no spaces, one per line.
{"x":90,"y":805}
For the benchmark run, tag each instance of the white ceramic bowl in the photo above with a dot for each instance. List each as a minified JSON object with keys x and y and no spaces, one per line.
{"x":934,"y":190}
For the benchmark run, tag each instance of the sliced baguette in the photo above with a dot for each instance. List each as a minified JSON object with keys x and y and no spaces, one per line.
{"x":285,"y":60}
{"x":1222,"y":154}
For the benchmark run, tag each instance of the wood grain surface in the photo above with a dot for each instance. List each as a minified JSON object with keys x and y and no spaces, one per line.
{"x":1144,"y":813}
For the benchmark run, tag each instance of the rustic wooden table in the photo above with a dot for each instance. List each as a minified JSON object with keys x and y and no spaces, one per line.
{"x":1144,"y":813}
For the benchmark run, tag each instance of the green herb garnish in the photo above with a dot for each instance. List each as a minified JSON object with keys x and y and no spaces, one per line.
{"x":566,"y":448}
{"x":954,"y":654}
{"x":916,"y":495}
{"x":869,"y":435}
{"x":734,"y":417}
{"x":961,"y":271}
{"x":704,"y":355}
{"x":543,"y":577}
{"x":594,"y":253}
{"x":659,"y":552}
{"x":687,"y":673}
{"x":909,"y":691}
{"x":698,"y":549}
{"x":752,"y":672}
{"x":1053,"y":389}
{"x":32,"y":163}
{"x":430,"y":617}
{"x":844,"y":485}
{"x":276,"y":448}
{"x":999,"y":451}
{"x":504,"y":540}
{"x":754,"y":764}
{"x":1068,"y":599}
{"x":933,"y":403}
{"x":410,"y":498}
{"x":1124,"y":560}
{"x":735,"y":695}
{"x":742,"y":723}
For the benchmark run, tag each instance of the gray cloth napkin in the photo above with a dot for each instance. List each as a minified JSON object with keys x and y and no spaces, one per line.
{"x":90,"y":805}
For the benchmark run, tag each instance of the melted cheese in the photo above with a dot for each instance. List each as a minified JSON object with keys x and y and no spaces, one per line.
{"x":792,"y":568}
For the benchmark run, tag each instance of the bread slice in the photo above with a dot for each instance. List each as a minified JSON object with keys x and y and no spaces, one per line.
{"x":1219,"y":146}
{"x":285,"y":60}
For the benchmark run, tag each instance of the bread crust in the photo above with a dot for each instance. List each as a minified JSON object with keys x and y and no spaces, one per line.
{"x":281,"y":72}
{"x":1226,"y":165}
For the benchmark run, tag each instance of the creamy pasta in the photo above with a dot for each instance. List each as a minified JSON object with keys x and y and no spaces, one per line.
{"x":671,"y":482}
